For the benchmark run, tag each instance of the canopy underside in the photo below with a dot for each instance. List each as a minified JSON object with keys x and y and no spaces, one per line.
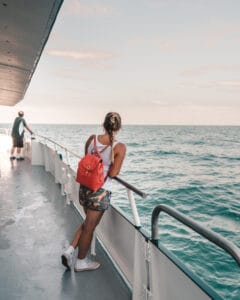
{"x":25,"y":26}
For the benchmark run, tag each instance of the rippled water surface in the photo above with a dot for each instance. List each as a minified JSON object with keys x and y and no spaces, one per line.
{"x":193,"y":169}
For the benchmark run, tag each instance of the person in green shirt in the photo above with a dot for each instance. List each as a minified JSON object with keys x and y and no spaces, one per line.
{"x":18,"y":135}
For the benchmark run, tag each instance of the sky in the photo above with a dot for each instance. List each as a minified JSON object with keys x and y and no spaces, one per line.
{"x":170,"y":62}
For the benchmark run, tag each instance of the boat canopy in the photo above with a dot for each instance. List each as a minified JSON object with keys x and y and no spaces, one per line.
{"x":25,"y":28}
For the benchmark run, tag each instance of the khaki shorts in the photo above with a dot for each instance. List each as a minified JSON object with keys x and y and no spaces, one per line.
{"x":98,"y":200}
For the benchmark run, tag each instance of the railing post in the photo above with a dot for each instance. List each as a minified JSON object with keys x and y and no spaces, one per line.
{"x":154,"y":224}
{"x":63,"y":181}
{"x":134,"y":208}
{"x":67,"y":157}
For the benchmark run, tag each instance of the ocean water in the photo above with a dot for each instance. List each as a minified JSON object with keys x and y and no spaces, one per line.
{"x":196,"y":170}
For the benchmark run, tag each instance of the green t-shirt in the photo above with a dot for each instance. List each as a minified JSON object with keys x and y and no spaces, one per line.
{"x":18,"y":127}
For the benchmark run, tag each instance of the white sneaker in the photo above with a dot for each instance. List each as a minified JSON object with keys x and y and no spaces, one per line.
{"x":67,"y":257}
{"x":86,"y":264}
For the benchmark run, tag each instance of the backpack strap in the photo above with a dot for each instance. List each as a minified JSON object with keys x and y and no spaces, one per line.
{"x":95,"y":146}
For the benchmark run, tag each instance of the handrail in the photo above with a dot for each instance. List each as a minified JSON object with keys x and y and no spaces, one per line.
{"x":130,"y":187}
{"x":59,"y":145}
{"x":121,"y":181}
{"x":5,"y":131}
{"x":212,"y":236}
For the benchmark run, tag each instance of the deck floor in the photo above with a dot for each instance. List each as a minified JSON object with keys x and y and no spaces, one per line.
{"x":34,"y":222}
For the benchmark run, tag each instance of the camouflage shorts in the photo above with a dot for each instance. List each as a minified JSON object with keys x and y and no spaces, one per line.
{"x":98,"y":200}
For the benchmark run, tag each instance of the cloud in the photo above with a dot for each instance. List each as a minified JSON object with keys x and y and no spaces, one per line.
{"x":70,"y":74}
{"x":82,"y":55}
{"x":229,"y":86}
{"x":208,"y":69}
{"x":76,"y":7}
{"x":232,"y":84}
{"x":100,"y":60}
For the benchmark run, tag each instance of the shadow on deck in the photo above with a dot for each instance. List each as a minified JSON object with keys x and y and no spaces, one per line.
{"x":34,"y":221}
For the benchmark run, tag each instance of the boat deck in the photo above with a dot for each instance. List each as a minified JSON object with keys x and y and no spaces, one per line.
{"x":34,"y":221}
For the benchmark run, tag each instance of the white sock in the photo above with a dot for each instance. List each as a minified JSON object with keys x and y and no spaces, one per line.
{"x":82,"y":259}
{"x":70,"y":250}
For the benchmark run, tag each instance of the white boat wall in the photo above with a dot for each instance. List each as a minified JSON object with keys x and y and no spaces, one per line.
{"x":152,"y":272}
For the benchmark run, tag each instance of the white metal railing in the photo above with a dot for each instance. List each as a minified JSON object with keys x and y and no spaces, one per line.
{"x":147,"y":269}
{"x":210,"y":235}
{"x":4,"y":131}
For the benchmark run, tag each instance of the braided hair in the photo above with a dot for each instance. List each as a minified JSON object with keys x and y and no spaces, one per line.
{"x":111,"y":124}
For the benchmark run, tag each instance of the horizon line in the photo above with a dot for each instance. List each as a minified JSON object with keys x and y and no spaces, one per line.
{"x":130,"y":124}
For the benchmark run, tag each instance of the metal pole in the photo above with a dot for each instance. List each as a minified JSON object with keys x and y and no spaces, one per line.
{"x":67,"y":157}
{"x":210,"y":235}
{"x":134,"y":208}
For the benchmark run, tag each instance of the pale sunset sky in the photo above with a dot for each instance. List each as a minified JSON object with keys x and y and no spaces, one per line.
{"x":153,"y":61}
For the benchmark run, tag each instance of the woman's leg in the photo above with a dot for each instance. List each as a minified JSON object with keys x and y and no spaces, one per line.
{"x":76,"y":237}
{"x":78,"y":233}
{"x":93,"y":217}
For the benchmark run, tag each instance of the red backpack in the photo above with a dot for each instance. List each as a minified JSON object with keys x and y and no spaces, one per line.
{"x":90,"y":172}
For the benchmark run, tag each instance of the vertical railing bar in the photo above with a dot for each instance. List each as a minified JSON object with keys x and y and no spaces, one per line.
{"x":67,"y":157}
{"x":134,"y":208}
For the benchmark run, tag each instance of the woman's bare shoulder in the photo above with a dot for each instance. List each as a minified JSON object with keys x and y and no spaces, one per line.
{"x":120,"y":147}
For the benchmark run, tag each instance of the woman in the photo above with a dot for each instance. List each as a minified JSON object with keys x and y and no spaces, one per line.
{"x":95,"y":203}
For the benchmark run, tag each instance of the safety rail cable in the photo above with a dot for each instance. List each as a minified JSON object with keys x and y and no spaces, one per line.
{"x":57,"y":144}
{"x":120,"y":180}
{"x":210,"y":235}
{"x":4,"y":131}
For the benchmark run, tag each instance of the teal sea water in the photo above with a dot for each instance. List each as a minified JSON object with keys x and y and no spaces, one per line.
{"x":195,"y":169}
